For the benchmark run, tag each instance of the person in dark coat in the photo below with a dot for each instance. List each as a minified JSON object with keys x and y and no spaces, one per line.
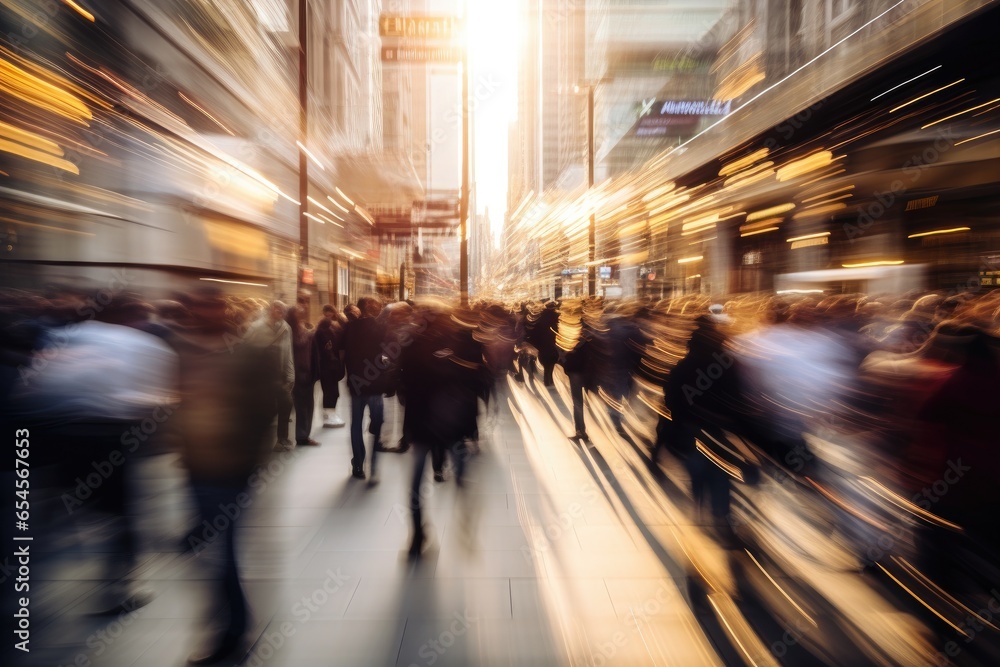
{"x":701,"y":394}
{"x":229,"y":397}
{"x":523,"y":349}
{"x":272,"y":331}
{"x":542,"y":334}
{"x":329,"y":342}
{"x":576,"y":332}
{"x":366,"y":364}
{"x":959,"y":423}
{"x":621,"y":355}
{"x":305,"y":356}
{"x":442,"y":376}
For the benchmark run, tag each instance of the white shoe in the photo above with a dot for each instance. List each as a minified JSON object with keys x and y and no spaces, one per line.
{"x":333,"y":421}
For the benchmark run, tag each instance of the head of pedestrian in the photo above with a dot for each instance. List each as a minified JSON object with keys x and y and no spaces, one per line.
{"x":369,"y":306}
{"x":329,"y":312}
{"x":277,"y":311}
{"x":207,"y":306}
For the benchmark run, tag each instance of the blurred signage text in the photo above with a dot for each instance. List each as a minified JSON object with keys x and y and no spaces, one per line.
{"x":421,"y":54}
{"x":417,"y":27}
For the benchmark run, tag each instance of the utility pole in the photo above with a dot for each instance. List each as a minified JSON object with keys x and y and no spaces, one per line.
{"x":463,"y":211}
{"x":303,"y":140}
{"x":591,"y":268}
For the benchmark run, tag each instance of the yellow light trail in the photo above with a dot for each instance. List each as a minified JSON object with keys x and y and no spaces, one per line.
{"x":985,"y":134}
{"x":917,"y":99}
{"x":960,"y":113}
{"x":79,"y":10}
{"x":939,"y":231}
{"x":884,"y":262}
{"x":208,"y":115}
{"x":759,"y":231}
{"x":807,"y":236}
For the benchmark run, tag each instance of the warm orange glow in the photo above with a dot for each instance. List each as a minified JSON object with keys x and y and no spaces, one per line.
{"x":807,"y":236}
{"x":37,"y":156}
{"x":80,"y":10}
{"x":883,"y":262}
{"x":738,"y":165}
{"x":940,"y":231}
{"x":980,"y":136}
{"x":804,"y":166}
{"x":29,"y":138}
{"x":917,"y":99}
{"x":960,"y":113}
{"x":806,"y":243}
{"x":769,"y":212}
{"x":759,"y":231}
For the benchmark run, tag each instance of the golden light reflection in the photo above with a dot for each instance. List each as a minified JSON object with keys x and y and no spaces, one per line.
{"x":23,"y":85}
{"x":939,"y":231}
{"x":79,"y":10}
{"x":917,"y":99}
{"x":738,"y":165}
{"x":804,"y":166}
{"x":38,"y":156}
{"x":759,"y":231}
{"x":769,"y":212}
{"x":881,"y":262}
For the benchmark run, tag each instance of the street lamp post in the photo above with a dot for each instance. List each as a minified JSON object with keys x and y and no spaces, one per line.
{"x":304,"y":140}
{"x":592,"y":239}
{"x":463,"y":212}
{"x":591,"y":268}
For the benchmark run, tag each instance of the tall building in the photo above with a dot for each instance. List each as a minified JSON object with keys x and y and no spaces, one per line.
{"x":480,"y":252}
{"x":416,"y":220}
{"x":549,"y":137}
{"x":643,"y":55}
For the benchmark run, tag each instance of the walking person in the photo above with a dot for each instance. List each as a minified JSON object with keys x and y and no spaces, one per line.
{"x":576,"y":332}
{"x":366,"y":364}
{"x":442,"y":377}
{"x":306,"y":361}
{"x":542,"y":334}
{"x":229,"y":398}
{"x":701,"y":411}
{"x":329,"y":343}
{"x":85,"y":406}
{"x":272,"y":332}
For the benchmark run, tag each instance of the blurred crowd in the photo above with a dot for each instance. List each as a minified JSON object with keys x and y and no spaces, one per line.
{"x":881,"y":407}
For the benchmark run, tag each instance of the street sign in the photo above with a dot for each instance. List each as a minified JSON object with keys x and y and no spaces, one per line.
{"x":421,"y":54}
{"x":417,"y":27}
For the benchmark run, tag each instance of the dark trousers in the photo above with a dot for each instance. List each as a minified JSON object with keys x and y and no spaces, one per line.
{"x":548,"y":365}
{"x":375,"y":408}
{"x":460,"y":455}
{"x":96,"y":470}
{"x":617,"y":389}
{"x":708,"y":478}
{"x":305,"y":403}
{"x":284,"y":412}
{"x":331,"y":392}
{"x":218,"y":506}
{"x":420,"y":452}
{"x":526,"y":363}
{"x":576,"y":390}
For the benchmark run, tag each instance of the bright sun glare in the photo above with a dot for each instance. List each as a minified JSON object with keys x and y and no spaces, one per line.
{"x":494,"y":35}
